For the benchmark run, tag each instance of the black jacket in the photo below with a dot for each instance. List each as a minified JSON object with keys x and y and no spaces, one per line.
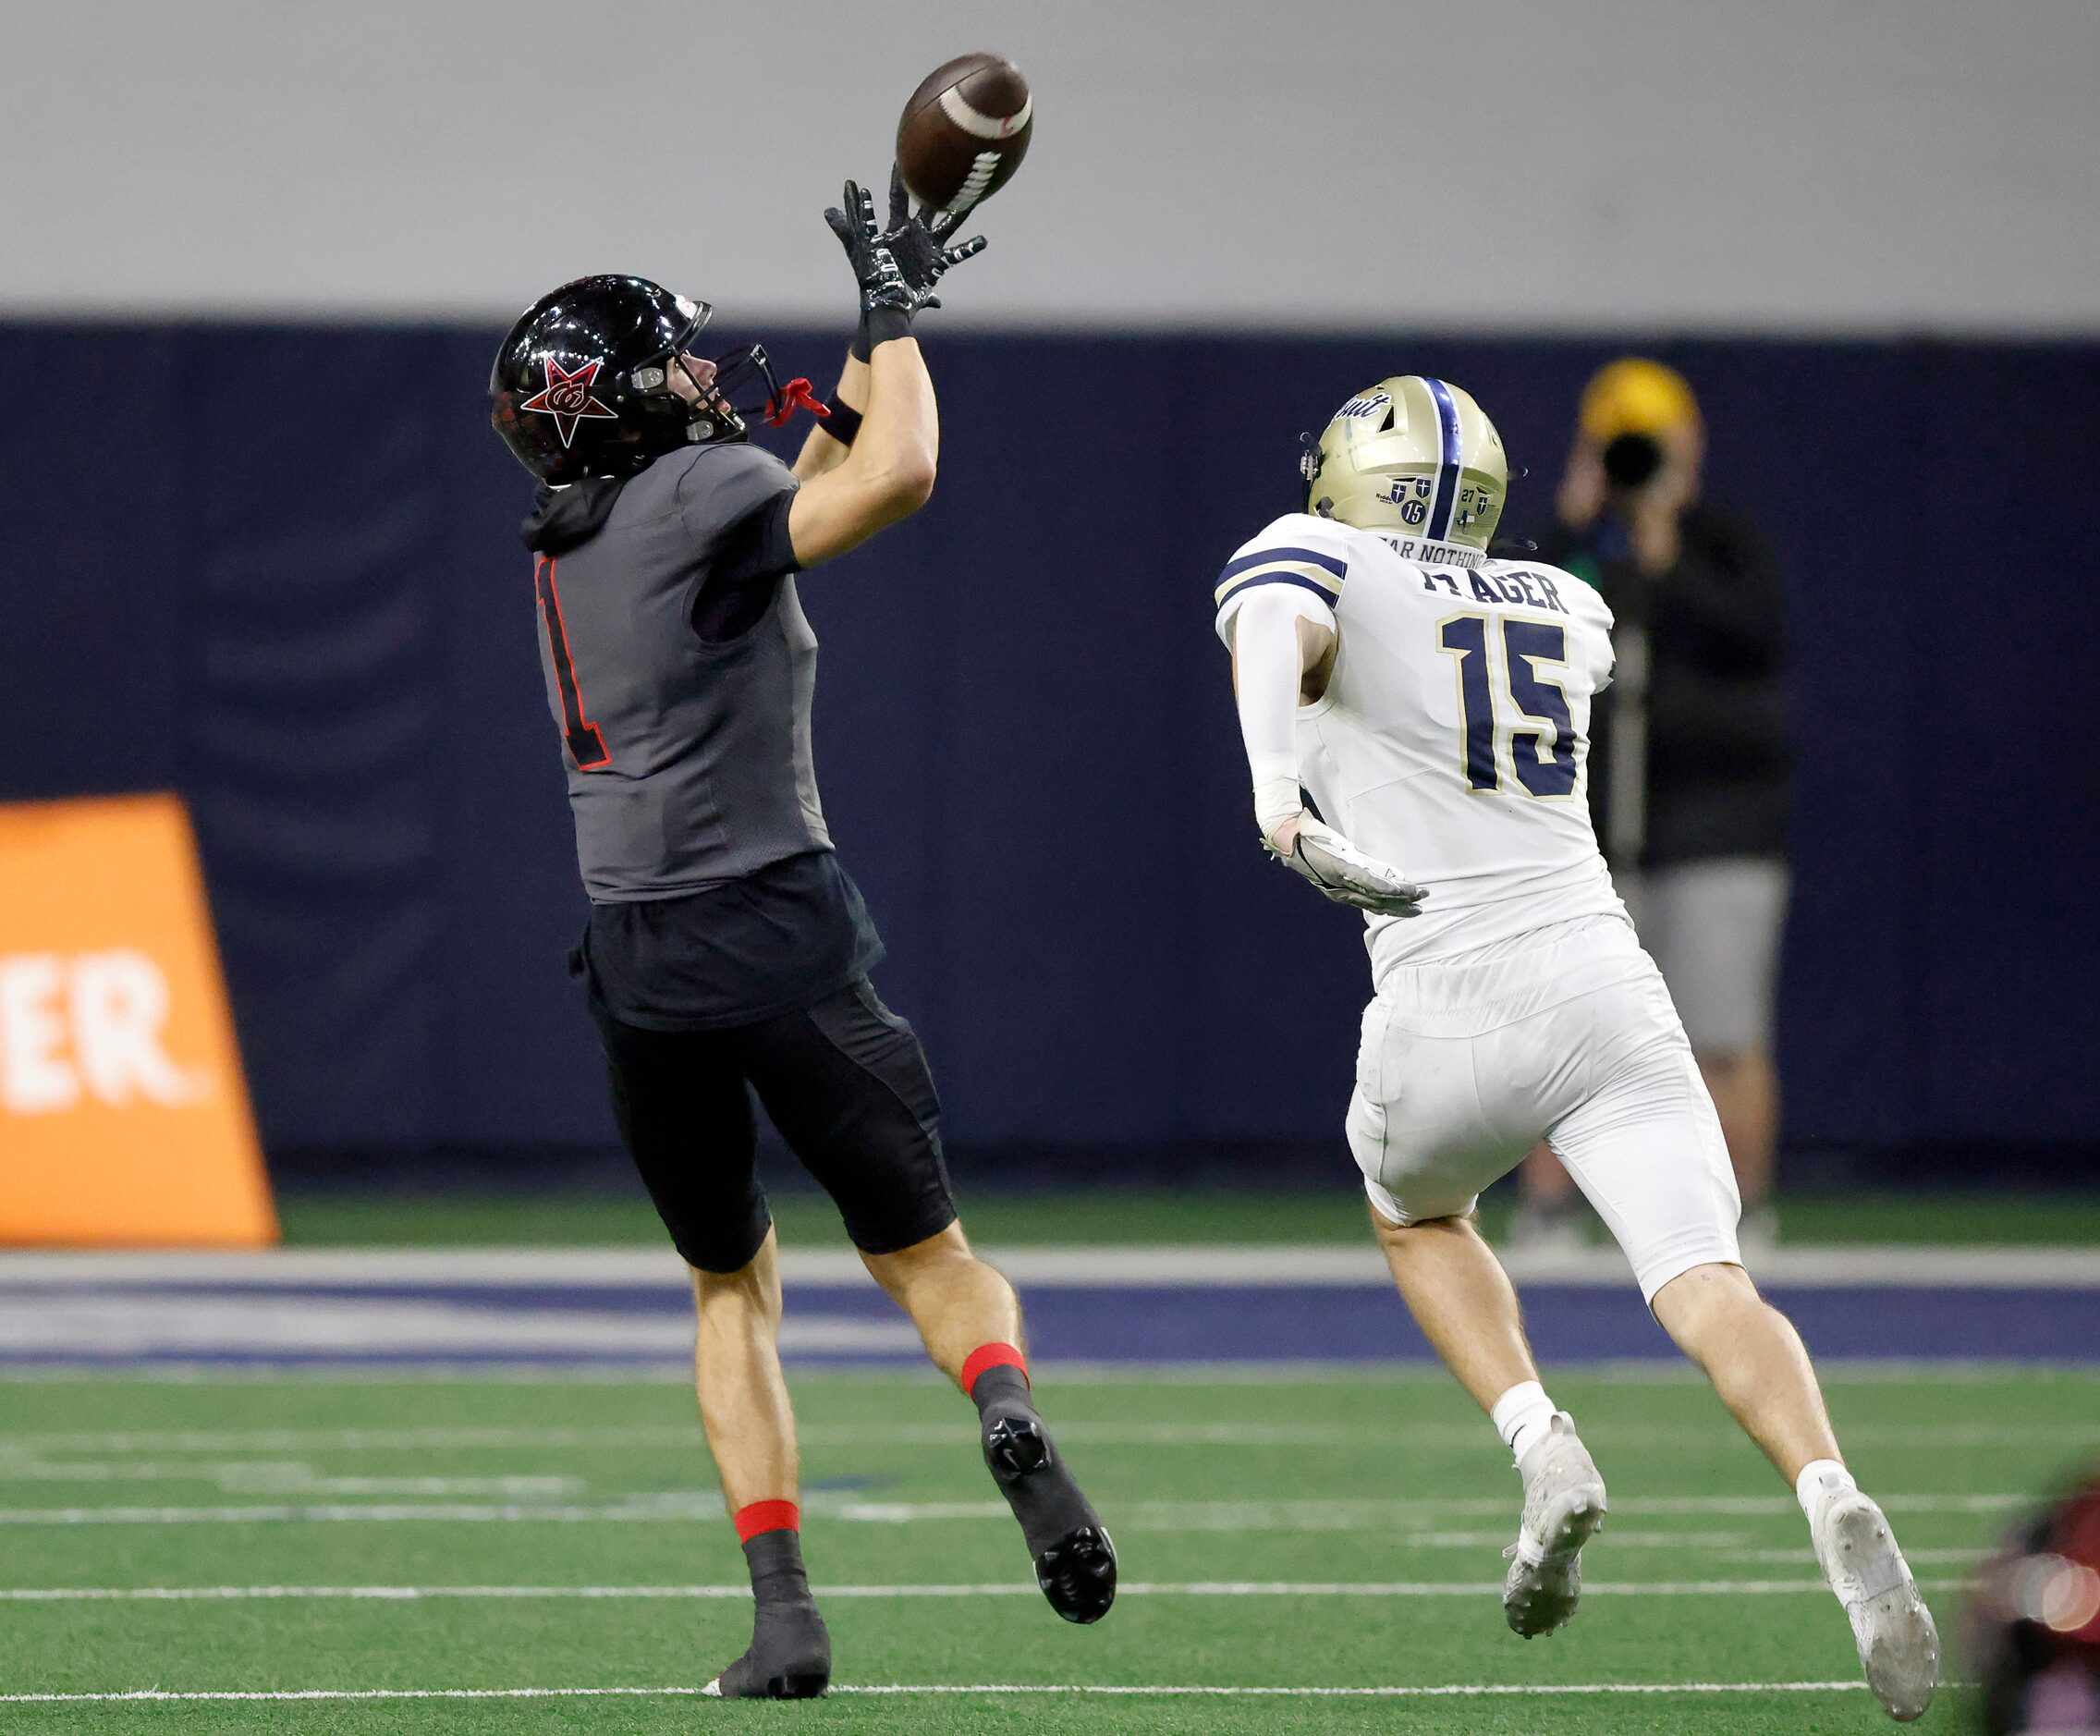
{"x":1718,"y":761}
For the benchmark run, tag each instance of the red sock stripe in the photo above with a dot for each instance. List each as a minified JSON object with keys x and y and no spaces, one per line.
{"x":766,"y":1516}
{"x":987,"y":1356}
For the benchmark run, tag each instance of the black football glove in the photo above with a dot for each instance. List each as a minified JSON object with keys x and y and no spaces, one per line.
{"x":920,"y":247}
{"x":882,"y":288}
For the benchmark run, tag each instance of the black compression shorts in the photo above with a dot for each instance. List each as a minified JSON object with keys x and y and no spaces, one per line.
{"x":844,"y":1081}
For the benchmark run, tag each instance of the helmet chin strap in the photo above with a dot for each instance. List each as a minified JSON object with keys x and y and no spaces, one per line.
{"x":798,"y":394}
{"x":781,"y":400}
{"x":1309,"y":460}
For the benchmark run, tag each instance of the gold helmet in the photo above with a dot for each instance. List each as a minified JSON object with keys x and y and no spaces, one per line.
{"x":1411,"y":455}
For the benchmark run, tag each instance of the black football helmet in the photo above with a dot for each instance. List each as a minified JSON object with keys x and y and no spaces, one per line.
{"x":581,"y":385}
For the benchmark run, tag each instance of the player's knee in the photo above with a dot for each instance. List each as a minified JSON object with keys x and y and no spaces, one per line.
{"x":1704,"y":1294}
{"x":1395,"y":1233}
{"x":942,"y":1253}
{"x":724,"y":1252}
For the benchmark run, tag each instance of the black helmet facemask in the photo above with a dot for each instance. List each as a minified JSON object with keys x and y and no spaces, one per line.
{"x":738,"y":373}
{"x":741,"y":371}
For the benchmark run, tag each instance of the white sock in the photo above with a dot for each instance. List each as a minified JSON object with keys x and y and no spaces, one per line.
{"x":1521,"y":1416}
{"x":1820,"y":1482}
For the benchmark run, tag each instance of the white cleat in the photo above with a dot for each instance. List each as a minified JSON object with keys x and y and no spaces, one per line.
{"x":1899,"y":1646}
{"x":1564,"y":1504}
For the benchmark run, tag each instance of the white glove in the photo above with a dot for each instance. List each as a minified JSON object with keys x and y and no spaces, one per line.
{"x":1346,"y":874}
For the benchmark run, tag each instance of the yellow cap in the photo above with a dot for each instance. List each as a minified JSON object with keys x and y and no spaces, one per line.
{"x":1635,"y":396}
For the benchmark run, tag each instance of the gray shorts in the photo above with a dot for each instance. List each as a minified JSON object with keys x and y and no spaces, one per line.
{"x":1714,"y":928}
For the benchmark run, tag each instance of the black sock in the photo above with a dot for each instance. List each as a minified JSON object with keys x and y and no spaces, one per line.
{"x":1028,"y":1469}
{"x":1004,"y":1389}
{"x":775,"y":1559}
{"x":789,"y":1640}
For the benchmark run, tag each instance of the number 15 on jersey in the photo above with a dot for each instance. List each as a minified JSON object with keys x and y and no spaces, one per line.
{"x":1543,"y":758}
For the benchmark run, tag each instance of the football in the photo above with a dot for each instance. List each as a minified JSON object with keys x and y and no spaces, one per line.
{"x":965,"y":131}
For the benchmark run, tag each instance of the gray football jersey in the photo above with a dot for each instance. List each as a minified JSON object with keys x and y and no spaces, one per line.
{"x":688,"y":762}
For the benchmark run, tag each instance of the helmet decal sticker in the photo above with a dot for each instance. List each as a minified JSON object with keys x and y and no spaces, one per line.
{"x":578,"y":384}
{"x":1410,"y":494}
{"x":566,"y":397}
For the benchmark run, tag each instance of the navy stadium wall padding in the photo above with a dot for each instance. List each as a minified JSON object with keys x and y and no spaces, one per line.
{"x":277,"y":569}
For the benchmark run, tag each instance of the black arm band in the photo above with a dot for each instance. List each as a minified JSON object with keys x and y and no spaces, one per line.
{"x":844,"y":421}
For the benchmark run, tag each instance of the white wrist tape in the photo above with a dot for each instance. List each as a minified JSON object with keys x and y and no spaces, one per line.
{"x":1276,"y":800}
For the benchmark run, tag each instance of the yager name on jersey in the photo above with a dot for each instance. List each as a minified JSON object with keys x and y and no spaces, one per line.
{"x":1515,"y":586}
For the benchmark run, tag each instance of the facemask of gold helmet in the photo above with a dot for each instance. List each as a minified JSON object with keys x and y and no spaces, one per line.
{"x":1412,"y":456}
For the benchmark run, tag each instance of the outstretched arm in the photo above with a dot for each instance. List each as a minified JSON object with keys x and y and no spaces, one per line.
{"x":1280,"y":636}
{"x":875,"y":464}
{"x":1283,"y":641}
{"x":888,"y":474}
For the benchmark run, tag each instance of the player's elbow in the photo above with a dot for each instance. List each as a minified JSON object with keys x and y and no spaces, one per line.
{"x":907,"y":484}
{"x":891,"y":494}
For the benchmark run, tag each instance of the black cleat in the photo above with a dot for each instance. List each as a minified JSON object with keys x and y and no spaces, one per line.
{"x":790,"y":1653}
{"x":1075,"y":1560}
{"x":734,"y":1684}
{"x":1077,"y":1574}
{"x":789,"y":1659}
{"x":1016,"y":1445}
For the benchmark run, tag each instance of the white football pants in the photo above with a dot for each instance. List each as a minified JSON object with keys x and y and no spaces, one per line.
{"x":1567,"y":1034}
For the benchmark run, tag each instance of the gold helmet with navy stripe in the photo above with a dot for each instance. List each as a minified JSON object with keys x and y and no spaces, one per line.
{"x":1414,"y":455}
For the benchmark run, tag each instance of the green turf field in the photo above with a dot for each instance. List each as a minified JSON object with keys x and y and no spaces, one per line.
{"x":1383,"y":1500}
{"x":1107,"y":1215}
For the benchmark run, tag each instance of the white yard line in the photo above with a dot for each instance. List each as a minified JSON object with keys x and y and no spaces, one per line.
{"x":110,"y":1320}
{"x":1090,"y":1266}
{"x":1662,"y":1370}
{"x":1343,"y":1515}
{"x":234,"y":1480}
{"x":682,"y":1434}
{"x":267,"y":1477}
{"x":1806,"y":1556}
{"x":1193,"y":1588}
{"x":1894,"y":1503}
{"x":706,"y":1506}
{"x":683,"y":1506}
{"x":1458,"y":1690}
{"x":423,"y":1372}
{"x":18,"y":1450}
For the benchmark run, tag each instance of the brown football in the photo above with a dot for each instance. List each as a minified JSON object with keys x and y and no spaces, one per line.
{"x":965,"y":131}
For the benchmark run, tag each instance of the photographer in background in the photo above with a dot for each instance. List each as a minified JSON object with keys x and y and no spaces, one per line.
{"x":1689,"y":767}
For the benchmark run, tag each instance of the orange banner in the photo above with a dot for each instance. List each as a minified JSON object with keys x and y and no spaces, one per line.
{"x":124,"y":1117}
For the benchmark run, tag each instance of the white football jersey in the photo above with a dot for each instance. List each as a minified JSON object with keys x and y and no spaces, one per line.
{"x":1452,"y":740}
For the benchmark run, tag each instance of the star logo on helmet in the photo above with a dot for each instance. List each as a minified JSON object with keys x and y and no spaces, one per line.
{"x":566,"y":397}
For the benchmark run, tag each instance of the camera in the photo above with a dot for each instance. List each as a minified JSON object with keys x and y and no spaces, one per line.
{"x":1632,"y":460}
